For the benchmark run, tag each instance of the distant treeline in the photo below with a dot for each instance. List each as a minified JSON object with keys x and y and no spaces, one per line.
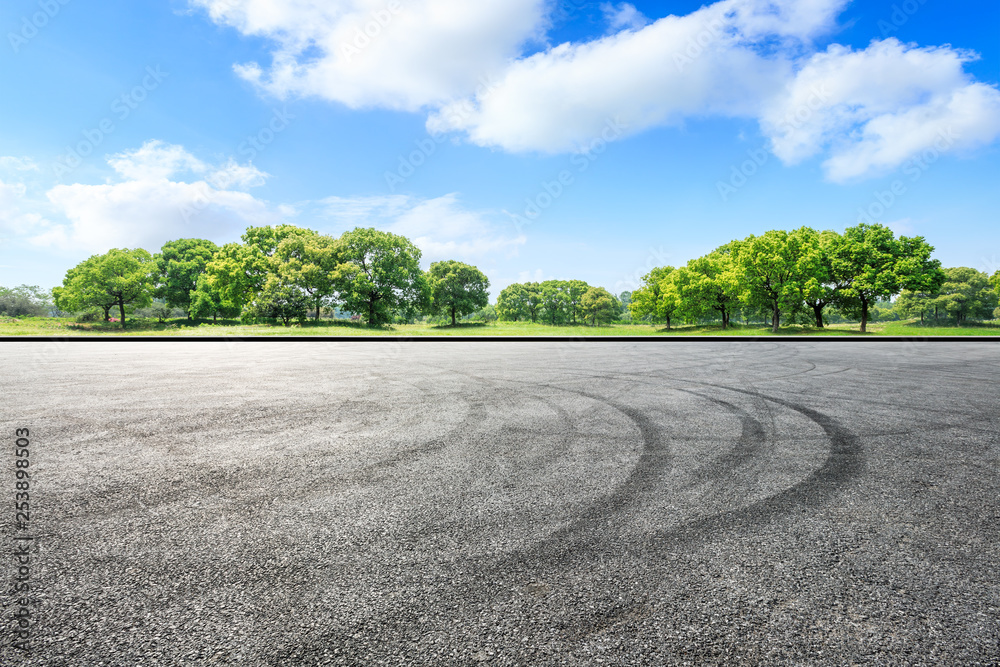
{"x":280,"y":273}
{"x":287,"y":273}
{"x":786,"y":274}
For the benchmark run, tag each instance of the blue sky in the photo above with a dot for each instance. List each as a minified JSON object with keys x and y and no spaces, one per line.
{"x":673,"y":126}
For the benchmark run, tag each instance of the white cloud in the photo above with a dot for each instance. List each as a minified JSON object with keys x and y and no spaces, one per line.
{"x":151,"y":204}
{"x":154,"y":161}
{"x":14,"y":218}
{"x":441,"y":227}
{"x":706,"y":62}
{"x":465,"y":63}
{"x":391,"y":53}
{"x":623,"y":16}
{"x":10,"y":163}
{"x":874,"y":109}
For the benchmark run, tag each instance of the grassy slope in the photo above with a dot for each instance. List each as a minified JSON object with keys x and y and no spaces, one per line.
{"x":67,"y":327}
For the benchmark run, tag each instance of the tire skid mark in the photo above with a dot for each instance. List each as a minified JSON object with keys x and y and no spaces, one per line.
{"x":751,"y":441}
{"x":844,"y":462}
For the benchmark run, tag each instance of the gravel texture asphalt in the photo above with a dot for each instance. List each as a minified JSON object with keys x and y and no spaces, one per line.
{"x":549,"y":503}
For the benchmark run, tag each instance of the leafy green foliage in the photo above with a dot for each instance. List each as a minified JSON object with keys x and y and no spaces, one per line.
{"x":774,"y":268}
{"x":872,"y":264}
{"x":966,"y":294}
{"x":120,"y":277}
{"x":657,"y":299}
{"x":379,"y":275}
{"x":179,"y":264}
{"x":512,"y":304}
{"x":599,"y":305}
{"x":457,"y":289}
{"x":281,"y":301}
{"x":24,"y":301}
{"x":309,"y":261}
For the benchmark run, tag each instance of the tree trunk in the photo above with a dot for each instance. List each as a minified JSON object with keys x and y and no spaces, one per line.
{"x":775,"y":319}
{"x":453,"y":316}
{"x":921,"y":317}
{"x":818,"y":310}
{"x":121,"y":309}
{"x":215,"y":317}
{"x":317,"y":308}
{"x":668,"y":321}
{"x":864,"y":315}
{"x":189,"y":316}
{"x":371,"y":313}
{"x":107,"y":312}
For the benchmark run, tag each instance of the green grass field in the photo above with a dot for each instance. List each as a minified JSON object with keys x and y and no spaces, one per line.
{"x":48,"y":326}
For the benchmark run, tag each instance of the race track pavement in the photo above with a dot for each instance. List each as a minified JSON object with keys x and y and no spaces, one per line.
{"x":549,"y":503}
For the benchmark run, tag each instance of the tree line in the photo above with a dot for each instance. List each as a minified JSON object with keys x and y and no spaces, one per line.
{"x":786,"y":273}
{"x":288,"y":273}
{"x":558,"y":302}
{"x":281,"y":272}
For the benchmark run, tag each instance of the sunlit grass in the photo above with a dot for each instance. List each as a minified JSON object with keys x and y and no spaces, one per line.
{"x":50,"y":326}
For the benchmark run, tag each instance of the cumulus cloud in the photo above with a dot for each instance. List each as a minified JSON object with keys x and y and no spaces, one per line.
{"x":16,"y":218}
{"x":873,"y":109}
{"x":441,"y":227}
{"x":861,"y":110}
{"x":152,"y":203}
{"x":560,"y":99}
{"x":623,"y":16}
{"x":390,"y":53}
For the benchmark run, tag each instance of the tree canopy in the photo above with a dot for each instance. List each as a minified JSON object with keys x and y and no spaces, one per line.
{"x":120,"y":277}
{"x":179,"y":264}
{"x":457,"y":289}
{"x":380,"y":274}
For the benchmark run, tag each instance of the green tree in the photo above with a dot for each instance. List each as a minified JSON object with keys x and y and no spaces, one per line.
{"x":822,"y":288}
{"x":656,"y":299}
{"x":599,"y":305}
{"x":206,"y":300}
{"x":512,"y":303}
{"x":309,"y":261}
{"x":909,"y":303}
{"x":120,"y":277}
{"x":575,"y":289}
{"x":380,"y":274}
{"x":533,"y":302}
{"x":179,"y":264}
{"x":706,"y":286}
{"x":772,"y":269}
{"x":871,"y":264}
{"x":555,"y":301}
{"x":457,"y":289}
{"x":238,"y":271}
{"x":966,"y":294}
{"x":281,"y":301}
{"x":24,"y":300}
{"x":80,"y":290}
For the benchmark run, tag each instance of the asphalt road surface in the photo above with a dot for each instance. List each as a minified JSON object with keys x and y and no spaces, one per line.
{"x":506,"y":503}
